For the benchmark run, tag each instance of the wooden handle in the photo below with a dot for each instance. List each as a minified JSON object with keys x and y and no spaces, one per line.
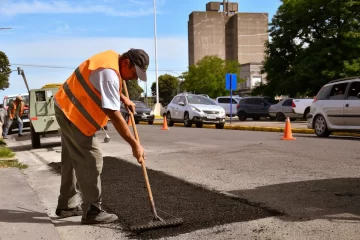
{"x":147,"y":182}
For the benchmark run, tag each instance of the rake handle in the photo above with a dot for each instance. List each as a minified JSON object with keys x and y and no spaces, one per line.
{"x":147,"y":182}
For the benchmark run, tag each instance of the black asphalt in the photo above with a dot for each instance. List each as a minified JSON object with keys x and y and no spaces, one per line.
{"x":124,"y":193}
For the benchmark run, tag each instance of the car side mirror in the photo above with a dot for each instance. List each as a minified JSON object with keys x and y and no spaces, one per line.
{"x":181,"y":104}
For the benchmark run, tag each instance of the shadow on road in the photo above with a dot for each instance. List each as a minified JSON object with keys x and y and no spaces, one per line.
{"x":23,"y":216}
{"x":331,"y":199}
{"x":331,"y":137}
{"x":124,"y":193}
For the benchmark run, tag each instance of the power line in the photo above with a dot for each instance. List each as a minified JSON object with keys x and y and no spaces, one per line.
{"x":63,"y":67}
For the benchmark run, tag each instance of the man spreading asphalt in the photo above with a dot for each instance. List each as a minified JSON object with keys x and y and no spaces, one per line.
{"x":14,"y":111}
{"x":83,"y":104}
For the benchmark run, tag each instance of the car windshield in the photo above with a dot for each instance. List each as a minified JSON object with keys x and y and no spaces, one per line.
{"x":140,"y":105}
{"x":200,"y":100}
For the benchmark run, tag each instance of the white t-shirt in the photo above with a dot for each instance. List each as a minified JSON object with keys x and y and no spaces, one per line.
{"x":106,"y":81}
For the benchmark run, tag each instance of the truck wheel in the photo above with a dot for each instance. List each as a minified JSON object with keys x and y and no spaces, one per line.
{"x":35,"y":137}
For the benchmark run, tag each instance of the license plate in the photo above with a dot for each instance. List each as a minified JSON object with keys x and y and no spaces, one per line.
{"x":143,"y":117}
{"x":211,"y":117}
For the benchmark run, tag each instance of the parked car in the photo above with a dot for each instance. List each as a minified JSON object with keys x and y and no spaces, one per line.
{"x":24,"y":117}
{"x":301,"y":106}
{"x":336,"y":107}
{"x":225,"y":102}
{"x":142,"y":113}
{"x":253,"y":107}
{"x":191,"y":108}
{"x":283,"y":110}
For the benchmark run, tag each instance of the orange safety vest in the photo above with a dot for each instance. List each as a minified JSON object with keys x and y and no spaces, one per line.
{"x":14,"y":107}
{"x":79,"y":100}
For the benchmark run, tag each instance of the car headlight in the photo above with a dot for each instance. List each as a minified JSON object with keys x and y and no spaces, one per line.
{"x":195,"y":109}
{"x":152,"y":112}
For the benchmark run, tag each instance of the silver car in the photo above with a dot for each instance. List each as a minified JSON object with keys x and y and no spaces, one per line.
{"x":336,"y":108}
{"x":191,"y":108}
{"x":282,"y":110}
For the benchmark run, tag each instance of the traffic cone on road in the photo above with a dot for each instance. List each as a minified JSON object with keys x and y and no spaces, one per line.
{"x":165,"y":126}
{"x":287,"y":131}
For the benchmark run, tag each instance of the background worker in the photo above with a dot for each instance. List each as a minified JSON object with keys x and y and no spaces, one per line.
{"x":83,"y":104}
{"x":14,"y":111}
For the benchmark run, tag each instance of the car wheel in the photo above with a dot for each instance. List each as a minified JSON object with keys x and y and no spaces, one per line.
{"x":199,"y":125}
{"x":187,"y":122}
{"x":320,"y":127}
{"x":168,"y":119}
{"x":220,"y":125}
{"x":280,"y":117}
{"x":151,"y":122}
{"x":242,"y":116}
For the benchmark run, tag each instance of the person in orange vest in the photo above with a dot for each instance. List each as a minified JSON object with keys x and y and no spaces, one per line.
{"x":14,"y":111}
{"x":83,"y":105}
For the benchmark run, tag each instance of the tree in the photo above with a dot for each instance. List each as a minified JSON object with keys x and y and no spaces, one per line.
{"x":4,"y":71}
{"x":208,"y":76}
{"x":134,"y":89}
{"x":168,"y":86}
{"x":313,"y":42}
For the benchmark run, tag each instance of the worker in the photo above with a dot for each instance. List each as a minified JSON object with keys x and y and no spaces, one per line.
{"x":83,"y":104}
{"x":14,"y":111}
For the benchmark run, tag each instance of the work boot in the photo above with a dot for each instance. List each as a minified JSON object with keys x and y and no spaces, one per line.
{"x":98,"y":216}
{"x":20,"y":134}
{"x":69,"y":212}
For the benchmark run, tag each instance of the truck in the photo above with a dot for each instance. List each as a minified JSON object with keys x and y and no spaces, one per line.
{"x":301,"y":106}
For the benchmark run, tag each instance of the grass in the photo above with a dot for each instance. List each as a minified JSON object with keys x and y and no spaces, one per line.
{"x":6,"y":153}
{"x":12,"y":164}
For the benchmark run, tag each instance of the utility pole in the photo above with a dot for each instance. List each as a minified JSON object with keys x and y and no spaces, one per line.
{"x":157,"y":105}
{"x":21,"y":72}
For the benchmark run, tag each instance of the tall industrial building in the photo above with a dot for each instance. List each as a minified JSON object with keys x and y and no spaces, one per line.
{"x":229,"y":34}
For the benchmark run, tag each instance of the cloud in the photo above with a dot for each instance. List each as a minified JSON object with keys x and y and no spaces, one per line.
{"x":11,"y":8}
{"x":69,"y":52}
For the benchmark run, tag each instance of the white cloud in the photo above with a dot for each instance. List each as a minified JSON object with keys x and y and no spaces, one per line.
{"x":12,"y":8}
{"x":70,"y":52}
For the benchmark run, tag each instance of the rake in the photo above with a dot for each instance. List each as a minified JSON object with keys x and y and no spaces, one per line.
{"x":156,"y":222}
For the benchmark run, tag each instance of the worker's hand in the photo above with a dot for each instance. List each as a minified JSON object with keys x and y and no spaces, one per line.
{"x":130,"y":105}
{"x":138,"y":153}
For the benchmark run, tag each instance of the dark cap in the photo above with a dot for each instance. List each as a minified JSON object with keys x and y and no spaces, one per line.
{"x":141,"y":61}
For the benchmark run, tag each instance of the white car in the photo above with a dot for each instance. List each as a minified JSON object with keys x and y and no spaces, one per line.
{"x":225,"y":103}
{"x":191,"y":108}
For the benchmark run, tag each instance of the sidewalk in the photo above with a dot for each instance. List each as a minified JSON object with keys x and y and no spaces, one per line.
{"x":22,"y":215}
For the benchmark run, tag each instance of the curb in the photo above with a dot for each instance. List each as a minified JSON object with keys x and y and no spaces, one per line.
{"x":265,"y":129}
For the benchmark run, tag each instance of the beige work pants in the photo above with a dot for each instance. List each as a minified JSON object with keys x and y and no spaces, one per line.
{"x":81,"y":166}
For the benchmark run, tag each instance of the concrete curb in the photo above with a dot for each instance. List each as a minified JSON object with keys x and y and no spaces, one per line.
{"x":265,"y":129}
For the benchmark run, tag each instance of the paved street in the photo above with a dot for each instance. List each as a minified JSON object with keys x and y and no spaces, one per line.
{"x":272,"y":189}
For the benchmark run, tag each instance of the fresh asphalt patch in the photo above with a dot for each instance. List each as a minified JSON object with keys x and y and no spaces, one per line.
{"x":125,"y":194}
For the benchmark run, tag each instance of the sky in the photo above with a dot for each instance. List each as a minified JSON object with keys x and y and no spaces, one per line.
{"x":48,"y":39}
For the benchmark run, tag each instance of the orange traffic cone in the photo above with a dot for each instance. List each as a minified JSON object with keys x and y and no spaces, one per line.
{"x":165,"y":126}
{"x":129,"y":121}
{"x":287,"y":131}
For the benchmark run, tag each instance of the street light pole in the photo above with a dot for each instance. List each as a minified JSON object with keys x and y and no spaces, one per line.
{"x":157,"y":107}
{"x":156,"y":64}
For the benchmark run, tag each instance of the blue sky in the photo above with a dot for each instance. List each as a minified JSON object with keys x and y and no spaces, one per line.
{"x":63,"y":33}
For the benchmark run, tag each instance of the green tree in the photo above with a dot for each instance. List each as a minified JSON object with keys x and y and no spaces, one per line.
{"x":134,"y":89}
{"x":313,"y":42}
{"x":168,"y":87}
{"x":208,"y":76}
{"x":4,"y":71}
